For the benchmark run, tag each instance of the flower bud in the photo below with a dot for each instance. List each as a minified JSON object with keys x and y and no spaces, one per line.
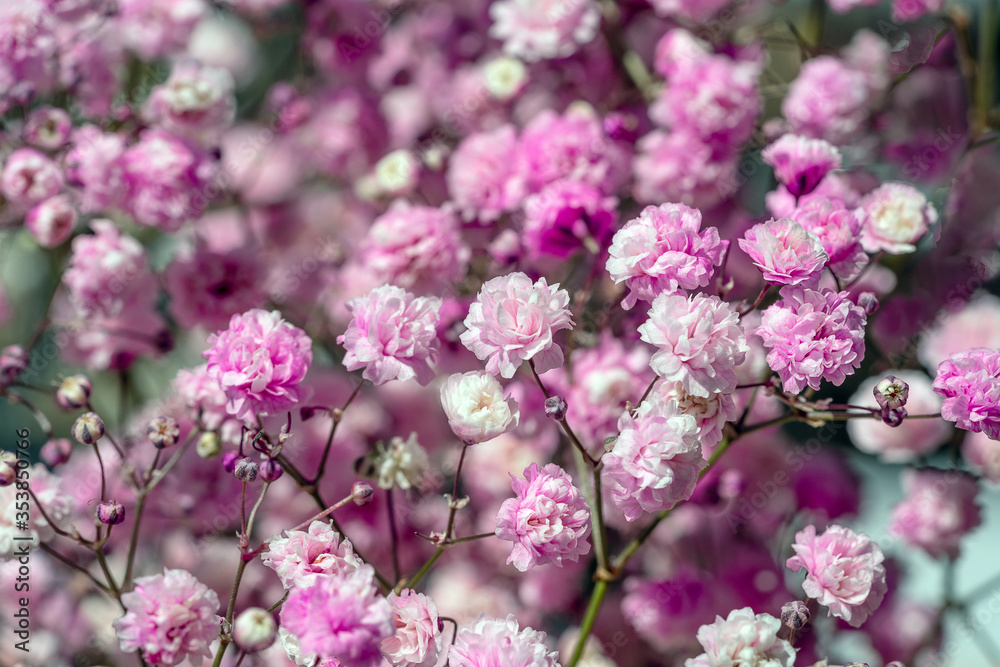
{"x":397,"y":172}
{"x":362,"y":493}
{"x":48,"y":127}
{"x":13,"y":362}
{"x":894,"y":416}
{"x":891,"y":393}
{"x":74,"y":392}
{"x":111,"y":513}
{"x":254,"y":630}
{"x":229,"y":460}
{"x":51,"y":222}
{"x":794,"y":614}
{"x":163,"y":432}
{"x":246,"y":469}
{"x":556,"y":407}
{"x":208,"y":445}
{"x":271,"y":470}
{"x":505,"y":77}
{"x":8,"y":468}
{"x":56,"y":452}
{"x":88,"y":428}
{"x":869,"y":302}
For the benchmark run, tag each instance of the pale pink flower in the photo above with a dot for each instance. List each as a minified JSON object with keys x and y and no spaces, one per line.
{"x":202,"y":395}
{"x":743,"y":638}
{"x":514,"y":320}
{"x":392,"y":335}
{"x":94,"y":164}
{"x":51,"y":222}
{"x":259,"y":361}
{"x":29,"y":176}
{"x":28,"y":51}
{"x":678,"y":166}
{"x":844,"y":571}
{"x":813,"y":336}
{"x":827,"y":100}
{"x":207,"y":288}
{"x":476,"y":407}
{"x":104,"y":269}
{"x":938,"y":510}
{"x":898,"y":215}
{"x":418,"y":640}
{"x":970,"y":384}
{"x":542,"y":29}
{"x":48,"y":127}
{"x":838,"y":230}
{"x":663,"y":250}
{"x":785,"y":252}
{"x":975,"y":325}
{"x":711,"y":413}
{"x":196,"y":102}
{"x":695,"y":10}
{"x":483,"y":176}
{"x":157,"y":28}
{"x":800,"y":163}
{"x":500,"y":643}
{"x":656,"y":460}
{"x":340,"y":616}
{"x":300,"y":556}
{"x":49,"y":489}
{"x":699,"y":342}
{"x":911,"y":10}
{"x":547,"y":519}
{"x":982,"y":454}
{"x":170,"y":617}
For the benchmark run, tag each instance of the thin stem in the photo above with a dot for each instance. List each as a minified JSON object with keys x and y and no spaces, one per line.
{"x":589,"y":618}
{"x":565,"y":424}
{"x":43,"y":421}
{"x":277,"y":604}
{"x":256,"y":506}
{"x":133,"y":542}
{"x":76,"y":566}
{"x":337,"y":415}
{"x":649,"y":390}
{"x":422,"y":572}
{"x":100,"y":465}
{"x":103,"y":562}
{"x":393,"y":534}
{"x":231,"y":609}
{"x":52,"y":524}
{"x":756,"y":302}
{"x":471,"y":538}
{"x":454,"y":494}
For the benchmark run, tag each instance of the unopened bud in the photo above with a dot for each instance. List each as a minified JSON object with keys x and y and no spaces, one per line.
{"x":110,"y":513}
{"x":868,"y":301}
{"x":254,"y":630}
{"x":229,"y":461}
{"x":208,"y":445}
{"x":56,"y":452}
{"x":271,"y":470}
{"x":88,"y":428}
{"x":505,"y":77}
{"x":163,"y":432}
{"x":362,"y":492}
{"x":555,"y":407}
{"x":794,"y":614}
{"x":246,"y":469}
{"x":74,"y":392}
{"x":893,"y":417}
{"x":8,"y":468}
{"x":13,"y":362}
{"x":891,"y":393}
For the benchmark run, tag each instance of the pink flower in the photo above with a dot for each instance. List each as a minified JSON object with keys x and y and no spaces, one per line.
{"x":94,"y":163}
{"x":743,"y":639}
{"x":259,"y":361}
{"x":938,"y":511}
{"x":811,"y":336}
{"x":838,"y":230}
{"x":547,"y":519}
{"x":982,"y":454}
{"x":483,"y":178}
{"x":970,"y":384}
{"x":28,"y":51}
{"x":656,"y":459}
{"x":301,"y":556}
{"x":157,"y":28}
{"x":700,"y":342}
{"x":785,"y":252}
{"x":104,"y":269}
{"x":51,"y":222}
{"x":340,"y":616}
{"x":844,"y":6}
{"x":898,"y":216}
{"x":828,"y":100}
{"x":663,"y":251}
{"x":207,"y":288}
{"x":513,"y":321}
{"x":392,"y":335}
{"x":695,"y":10}
{"x":50,"y":490}
{"x":911,"y":10}
{"x":711,"y":413}
{"x":678,"y":166}
{"x":542,"y":29}
{"x":844,"y":571}
{"x":29,"y":176}
{"x":48,"y":127}
{"x":800,"y":163}
{"x":417,"y":641}
{"x":477,"y":408}
{"x":975,"y":325}
{"x":170,"y":617}
{"x":196,"y":102}
{"x":500,"y":643}
{"x":202,"y":395}
{"x":566,"y":216}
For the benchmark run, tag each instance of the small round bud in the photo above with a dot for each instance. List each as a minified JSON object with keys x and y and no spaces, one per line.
{"x":891,"y":393}
{"x":56,"y":452}
{"x":246,"y":469}
{"x":13,"y":362}
{"x":893,"y":417}
{"x":229,"y":460}
{"x":555,"y":407}
{"x":8,"y":468}
{"x":794,"y":614}
{"x":505,"y":77}
{"x":362,"y":493}
{"x":869,"y":302}
{"x":74,"y":392}
{"x":110,"y":513}
{"x":88,"y":428}
{"x":271,"y":470}
{"x":208,"y":445}
{"x":397,"y":172}
{"x":254,"y":630}
{"x":163,"y":432}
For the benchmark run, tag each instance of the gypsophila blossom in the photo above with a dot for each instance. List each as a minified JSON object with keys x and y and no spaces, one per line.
{"x":254,"y":629}
{"x":827,"y":100}
{"x":207,"y":288}
{"x":695,"y":10}
{"x":813,"y":336}
{"x":401,"y":463}
{"x":982,"y":454}
{"x":898,"y":215}
{"x":58,"y":505}
{"x":566,"y":216}
{"x":169,"y":617}
{"x":156,"y":28}
{"x":970,"y":384}
{"x":785,"y":253}
{"x":538,"y":29}
{"x":844,"y":571}
{"x":838,"y":230}
{"x":711,"y":413}
{"x":548,"y":519}
{"x":29,"y":176}
{"x":417,"y":641}
{"x":500,"y":643}
{"x":938,"y":510}
{"x":94,"y":164}
{"x":476,"y":407}
{"x":300,"y":556}
{"x":911,"y":10}
{"x":104,"y":267}
{"x":656,"y":459}
{"x":392,"y":335}
{"x":340,"y":616}
{"x":800,"y":163}
{"x":259,"y":362}
{"x":663,"y":250}
{"x":743,"y":639}
{"x":677,"y":166}
{"x":514,"y":320}
{"x":196,"y":102}
{"x":483,"y":176}
{"x":699,"y":342}
{"x":48,"y":127}
{"x":977,"y":324}
{"x":51,"y":221}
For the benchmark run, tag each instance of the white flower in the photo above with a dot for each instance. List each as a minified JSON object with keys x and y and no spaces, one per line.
{"x":898,"y":216}
{"x":403,"y":463}
{"x":476,"y":407}
{"x":254,"y":630}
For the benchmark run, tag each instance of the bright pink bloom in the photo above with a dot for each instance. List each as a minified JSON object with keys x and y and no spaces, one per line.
{"x":207,"y":288}
{"x":743,"y":638}
{"x":970,"y":384}
{"x":542,"y":29}
{"x":939,"y":509}
{"x":157,"y":28}
{"x":785,"y":252}
{"x":29,"y":176}
{"x":170,"y":617}
{"x":566,"y":216}
{"x":663,"y":250}
{"x":392,"y":335}
{"x":678,"y":166}
{"x":514,"y":320}
{"x":51,"y":222}
{"x":94,"y":164}
{"x":483,"y":178}
{"x":500,"y":643}
{"x":196,"y":102}
{"x":340,"y":616}
{"x":417,"y":641}
{"x":911,"y":10}
{"x":547,"y":519}
{"x":800,"y":163}
{"x":898,"y":216}
{"x":301,"y":556}
{"x":828,"y":100}
{"x":838,"y":229}
{"x":844,"y":571}
{"x":677,"y":48}
{"x":813,"y":335}
{"x":656,"y":459}
{"x":104,"y":268}
{"x":259,"y":361}
{"x":28,"y":51}
{"x":699,"y":342}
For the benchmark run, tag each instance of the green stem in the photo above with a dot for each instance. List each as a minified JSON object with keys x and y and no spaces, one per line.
{"x":986,"y":71}
{"x":596,"y":598}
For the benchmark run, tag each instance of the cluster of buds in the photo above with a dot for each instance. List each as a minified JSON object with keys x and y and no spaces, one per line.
{"x":891,"y":394}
